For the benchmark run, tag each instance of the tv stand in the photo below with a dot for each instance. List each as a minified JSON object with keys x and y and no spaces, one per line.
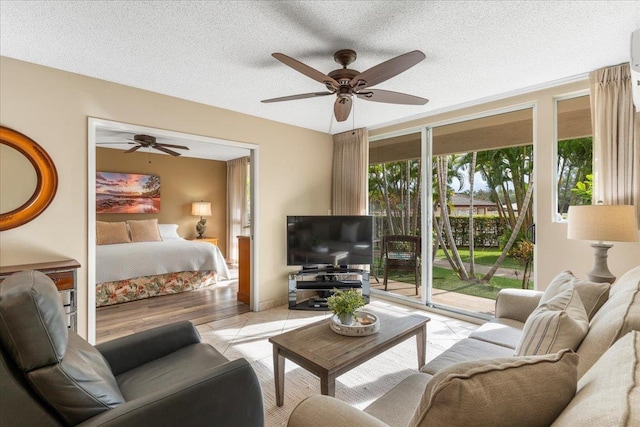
{"x":313,"y":286}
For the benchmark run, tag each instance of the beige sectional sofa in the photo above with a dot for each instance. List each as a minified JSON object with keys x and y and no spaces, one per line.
{"x":480,"y":381}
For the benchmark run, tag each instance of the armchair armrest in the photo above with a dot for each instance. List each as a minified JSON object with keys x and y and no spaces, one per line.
{"x":126,"y":353}
{"x":225,"y":395}
{"x":325,"y":411}
{"x":516,"y":304}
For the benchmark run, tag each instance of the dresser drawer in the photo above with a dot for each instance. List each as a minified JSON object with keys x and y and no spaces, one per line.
{"x":63,"y":280}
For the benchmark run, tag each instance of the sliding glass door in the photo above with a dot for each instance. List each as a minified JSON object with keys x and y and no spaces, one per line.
{"x":473,"y":179}
{"x":395,"y":194}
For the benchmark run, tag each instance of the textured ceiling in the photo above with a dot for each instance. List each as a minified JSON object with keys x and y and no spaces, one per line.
{"x":218,"y":52}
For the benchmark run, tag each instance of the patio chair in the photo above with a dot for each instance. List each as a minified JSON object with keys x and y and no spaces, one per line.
{"x":401,"y":253}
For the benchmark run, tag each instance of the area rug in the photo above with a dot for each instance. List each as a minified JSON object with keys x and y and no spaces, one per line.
{"x":358,"y":387}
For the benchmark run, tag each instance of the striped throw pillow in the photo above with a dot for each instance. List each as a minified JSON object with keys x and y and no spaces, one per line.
{"x":557,"y":324}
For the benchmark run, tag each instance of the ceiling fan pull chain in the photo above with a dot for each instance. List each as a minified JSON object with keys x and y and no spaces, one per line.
{"x":353,"y":117}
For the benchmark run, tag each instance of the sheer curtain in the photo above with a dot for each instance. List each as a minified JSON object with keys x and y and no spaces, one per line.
{"x":350,"y":172}
{"x":237,"y":172}
{"x":616,"y":137}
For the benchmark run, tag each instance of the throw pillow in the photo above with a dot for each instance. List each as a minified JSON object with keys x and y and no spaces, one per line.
{"x":144,"y":230}
{"x":109,"y":233}
{"x":169,"y":232}
{"x":593,"y":295}
{"x":519,"y":391}
{"x":609,"y":393}
{"x":558,"y":324}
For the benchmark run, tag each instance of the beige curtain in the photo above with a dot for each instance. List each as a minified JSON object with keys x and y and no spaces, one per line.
{"x":350,"y":172}
{"x":616,"y":137}
{"x":237,"y":172}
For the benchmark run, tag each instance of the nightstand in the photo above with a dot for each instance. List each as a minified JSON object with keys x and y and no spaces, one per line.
{"x":212,"y":240}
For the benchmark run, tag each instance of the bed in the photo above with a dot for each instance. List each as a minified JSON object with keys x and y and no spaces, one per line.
{"x":138,"y":270}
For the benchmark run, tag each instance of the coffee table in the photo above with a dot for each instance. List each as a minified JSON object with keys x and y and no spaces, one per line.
{"x":321,"y":351}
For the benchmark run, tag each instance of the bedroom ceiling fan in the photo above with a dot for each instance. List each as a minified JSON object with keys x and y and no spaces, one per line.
{"x":345,"y":82}
{"x":148,"y":141}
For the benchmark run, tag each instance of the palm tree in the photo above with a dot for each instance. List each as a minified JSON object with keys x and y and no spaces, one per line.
{"x":443,"y":177}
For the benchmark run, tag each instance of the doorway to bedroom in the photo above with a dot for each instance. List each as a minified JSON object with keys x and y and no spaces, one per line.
{"x":199,"y":191}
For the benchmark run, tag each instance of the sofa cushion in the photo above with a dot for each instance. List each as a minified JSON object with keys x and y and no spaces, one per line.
{"x":617,"y":317}
{"x":109,"y":233}
{"x":593,"y":295}
{"x":400,"y":406}
{"x":609,"y":393}
{"x":145,"y":230}
{"x":516,"y":391}
{"x":557,"y":324}
{"x":504,"y":332}
{"x":464,"y":351}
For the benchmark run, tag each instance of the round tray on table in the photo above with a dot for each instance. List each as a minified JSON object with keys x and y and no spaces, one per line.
{"x":364,"y":324}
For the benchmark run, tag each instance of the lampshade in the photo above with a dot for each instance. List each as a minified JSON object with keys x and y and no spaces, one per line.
{"x":604,"y":223}
{"x":201,"y":209}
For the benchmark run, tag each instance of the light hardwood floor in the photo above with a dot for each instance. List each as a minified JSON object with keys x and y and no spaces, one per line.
{"x":200,"y":306}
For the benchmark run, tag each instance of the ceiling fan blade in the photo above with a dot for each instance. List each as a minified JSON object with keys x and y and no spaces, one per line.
{"x":166,"y":150}
{"x":112,"y":143}
{"x":379,"y":95}
{"x":293,"y":97}
{"x":131,"y":150}
{"x":342,"y":108}
{"x":181,"y":147}
{"x":385,"y":70}
{"x":306,"y":70}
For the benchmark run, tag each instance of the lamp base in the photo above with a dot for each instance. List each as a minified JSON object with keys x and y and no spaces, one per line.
{"x":600,"y":272}
{"x":201,"y":227}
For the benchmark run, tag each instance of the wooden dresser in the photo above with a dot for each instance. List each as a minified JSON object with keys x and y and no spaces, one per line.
{"x":244,"y":269}
{"x":64,"y":275}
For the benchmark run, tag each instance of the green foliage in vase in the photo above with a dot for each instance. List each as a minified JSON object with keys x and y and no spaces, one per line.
{"x":345,"y":302}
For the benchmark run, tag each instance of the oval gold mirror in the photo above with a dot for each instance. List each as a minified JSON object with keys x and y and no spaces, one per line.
{"x":29,"y":179}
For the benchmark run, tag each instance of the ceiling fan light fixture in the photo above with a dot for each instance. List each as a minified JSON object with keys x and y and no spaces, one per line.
{"x":346,"y":82}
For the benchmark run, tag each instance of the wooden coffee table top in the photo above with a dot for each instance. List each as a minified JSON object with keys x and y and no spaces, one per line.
{"x":317,"y":346}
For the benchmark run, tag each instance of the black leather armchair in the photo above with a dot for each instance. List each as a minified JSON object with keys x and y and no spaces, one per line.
{"x":160,"y":377}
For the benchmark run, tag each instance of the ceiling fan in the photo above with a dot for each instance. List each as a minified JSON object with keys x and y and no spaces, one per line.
{"x":345,"y":82}
{"x":147,"y":141}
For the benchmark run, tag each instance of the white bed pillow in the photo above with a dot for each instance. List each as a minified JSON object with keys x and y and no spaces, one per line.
{"x":169,"y":231}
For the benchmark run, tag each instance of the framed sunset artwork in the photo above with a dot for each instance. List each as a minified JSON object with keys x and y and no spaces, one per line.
{"x":127,"y":193}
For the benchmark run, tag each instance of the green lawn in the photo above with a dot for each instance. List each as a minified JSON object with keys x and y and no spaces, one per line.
{"x":485,"y":256}
{"x":445,"y":278}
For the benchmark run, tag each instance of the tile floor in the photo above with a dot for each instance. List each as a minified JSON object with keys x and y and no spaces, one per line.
{"x":247,"y":335}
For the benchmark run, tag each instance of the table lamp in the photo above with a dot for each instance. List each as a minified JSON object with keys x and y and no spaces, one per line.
{"x":201,"y":209}
{"x":611,"y":223}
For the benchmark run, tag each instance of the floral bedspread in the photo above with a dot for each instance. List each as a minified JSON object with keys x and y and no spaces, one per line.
{"x":109,"y":293}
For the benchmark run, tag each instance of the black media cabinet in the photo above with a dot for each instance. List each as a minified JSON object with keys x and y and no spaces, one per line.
{"x":314,"y":285}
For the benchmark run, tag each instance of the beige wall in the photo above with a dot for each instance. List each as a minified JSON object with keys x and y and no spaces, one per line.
{"x":52,"y":107}
{"x":553,"y":251}
{"x":183,"y":180}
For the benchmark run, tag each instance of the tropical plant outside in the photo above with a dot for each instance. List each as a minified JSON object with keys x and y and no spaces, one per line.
{"x":574,"y":173}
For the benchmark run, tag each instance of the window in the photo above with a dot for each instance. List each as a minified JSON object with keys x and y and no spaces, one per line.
{"x":574,"y":153}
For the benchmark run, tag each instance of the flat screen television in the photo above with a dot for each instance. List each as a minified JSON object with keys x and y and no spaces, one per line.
{"x":329,"y":240}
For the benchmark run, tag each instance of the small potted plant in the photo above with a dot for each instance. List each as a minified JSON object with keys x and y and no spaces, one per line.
{"x":345,"y":303}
